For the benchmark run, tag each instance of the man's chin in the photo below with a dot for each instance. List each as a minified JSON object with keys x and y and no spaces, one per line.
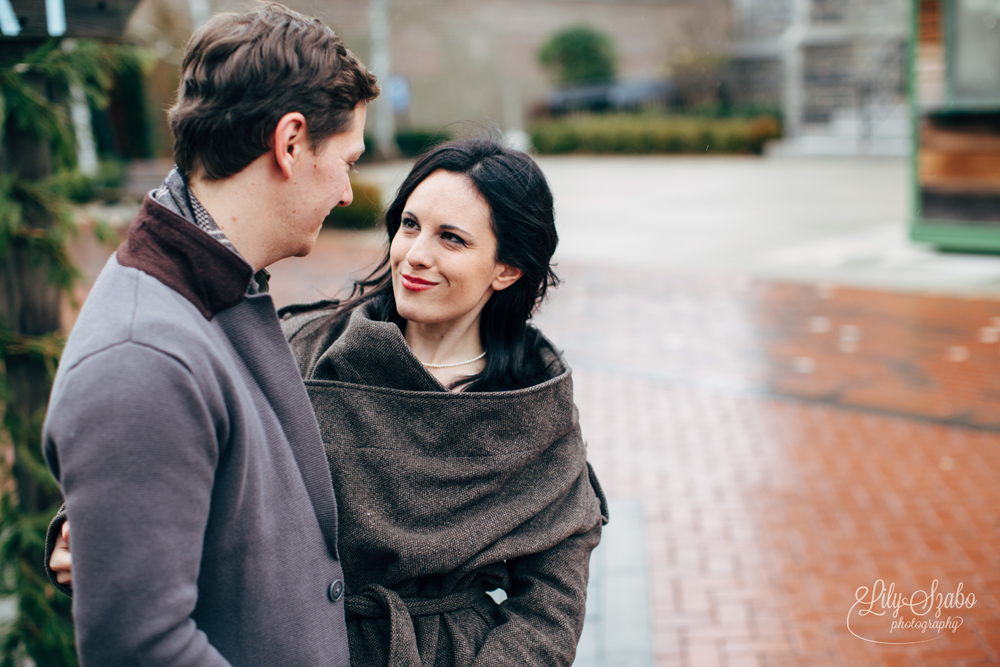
{"x":307,"y":247}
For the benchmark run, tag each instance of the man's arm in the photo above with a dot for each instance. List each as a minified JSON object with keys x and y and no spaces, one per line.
{"x":134,"y":446}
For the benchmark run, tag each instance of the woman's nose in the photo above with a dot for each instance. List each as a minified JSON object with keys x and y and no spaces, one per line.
{"x":419,"y":253}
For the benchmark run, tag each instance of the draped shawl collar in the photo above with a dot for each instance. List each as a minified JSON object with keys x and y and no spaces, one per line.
{"x":436,"y":489}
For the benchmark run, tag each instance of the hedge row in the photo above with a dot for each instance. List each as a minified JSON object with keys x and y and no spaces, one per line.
{"x":626,"y":133}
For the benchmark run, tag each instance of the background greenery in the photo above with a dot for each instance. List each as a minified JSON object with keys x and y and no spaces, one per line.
{"x":580,"y":54}
{"x":38,"y":183}
{"x":363,"y":213}
{"x":653,"y":133}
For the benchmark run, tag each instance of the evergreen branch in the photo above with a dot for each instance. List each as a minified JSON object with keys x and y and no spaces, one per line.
{"x":22,"y":202}
{"x":48,"y":347}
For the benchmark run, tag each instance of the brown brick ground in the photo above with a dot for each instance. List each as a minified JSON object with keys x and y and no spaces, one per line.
{"x":789,"y":445}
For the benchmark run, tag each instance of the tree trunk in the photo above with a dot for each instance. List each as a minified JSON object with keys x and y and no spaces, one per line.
{"x":30,"y":305}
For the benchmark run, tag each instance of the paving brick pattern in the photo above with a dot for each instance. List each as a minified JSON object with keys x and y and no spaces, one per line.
{"x":775,"y":487}
{"x":928,"y":356}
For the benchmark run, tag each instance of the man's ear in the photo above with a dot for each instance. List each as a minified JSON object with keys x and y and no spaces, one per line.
{"x":508,"y":276}
{"x":290,"y":140}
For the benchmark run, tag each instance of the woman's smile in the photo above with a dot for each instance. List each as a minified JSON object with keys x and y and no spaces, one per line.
{"x":415,"y":284}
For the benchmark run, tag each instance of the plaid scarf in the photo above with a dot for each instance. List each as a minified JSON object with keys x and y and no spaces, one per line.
{"x":174,"y":194}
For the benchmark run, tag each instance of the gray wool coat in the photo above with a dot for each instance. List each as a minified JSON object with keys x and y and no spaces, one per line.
{"x":444,"y":496}
{"x":204,"y":526}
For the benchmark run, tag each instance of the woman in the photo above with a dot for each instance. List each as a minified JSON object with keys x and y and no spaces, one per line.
{"x":450,"y":429}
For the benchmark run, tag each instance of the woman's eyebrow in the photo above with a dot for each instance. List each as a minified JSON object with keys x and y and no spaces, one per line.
{"x":446,"y":227}
{"x":454,"y":228}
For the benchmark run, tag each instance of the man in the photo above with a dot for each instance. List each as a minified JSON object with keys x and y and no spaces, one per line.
{"x":203,"y":520}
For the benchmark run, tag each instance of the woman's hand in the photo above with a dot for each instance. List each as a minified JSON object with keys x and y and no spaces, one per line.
{"x":61,"y":563}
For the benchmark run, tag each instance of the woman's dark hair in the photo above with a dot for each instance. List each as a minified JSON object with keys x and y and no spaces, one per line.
{"x":521,"y":217}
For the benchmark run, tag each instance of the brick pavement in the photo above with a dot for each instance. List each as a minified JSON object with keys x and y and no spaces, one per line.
{"x":791,"y":444}
{"x":788,"y":444}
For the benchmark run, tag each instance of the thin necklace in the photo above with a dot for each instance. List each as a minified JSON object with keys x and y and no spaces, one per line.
{"x":460,"y":363}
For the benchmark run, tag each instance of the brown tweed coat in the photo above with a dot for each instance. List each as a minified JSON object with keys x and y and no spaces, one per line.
{"x":444,"y":496}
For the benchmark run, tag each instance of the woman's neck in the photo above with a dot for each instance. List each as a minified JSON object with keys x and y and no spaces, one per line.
{"x":444,"y":344}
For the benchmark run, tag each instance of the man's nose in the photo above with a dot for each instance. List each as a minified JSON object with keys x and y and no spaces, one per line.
{"x":348,"y":196}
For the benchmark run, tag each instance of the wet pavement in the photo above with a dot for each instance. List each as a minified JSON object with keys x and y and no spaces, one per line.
{"x":790,"y":444}
{"x":783,"y":441}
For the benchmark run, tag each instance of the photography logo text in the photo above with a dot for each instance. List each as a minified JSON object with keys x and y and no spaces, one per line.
{"x":882,"y":615}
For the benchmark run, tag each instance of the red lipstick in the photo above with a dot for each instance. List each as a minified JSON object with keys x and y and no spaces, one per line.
{"x":415,"y":284}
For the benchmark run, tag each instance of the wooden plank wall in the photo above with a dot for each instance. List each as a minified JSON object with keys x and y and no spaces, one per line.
{"x":960,"y":159}
{"x":931,"y":21}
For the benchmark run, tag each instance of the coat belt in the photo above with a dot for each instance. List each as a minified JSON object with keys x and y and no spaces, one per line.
{"x":376,"y":601}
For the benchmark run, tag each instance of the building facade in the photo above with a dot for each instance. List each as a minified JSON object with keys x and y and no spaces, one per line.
{"x":475,"y":60}
{"x":836,"y":68}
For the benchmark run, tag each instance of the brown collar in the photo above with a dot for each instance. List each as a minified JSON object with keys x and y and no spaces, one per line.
{"x":185,"y":259}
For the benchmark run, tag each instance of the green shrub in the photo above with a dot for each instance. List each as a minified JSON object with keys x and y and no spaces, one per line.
{"x":639,"y":134}
{"x":363,"y":213}
{"x":417,"y":142}
{"x":580,"y":55}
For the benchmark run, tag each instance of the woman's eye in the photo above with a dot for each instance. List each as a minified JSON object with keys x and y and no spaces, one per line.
{"x":408,"y":223}
{"x":453,"y":238}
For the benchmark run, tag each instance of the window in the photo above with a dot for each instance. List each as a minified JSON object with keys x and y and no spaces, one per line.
{"x":973,"y":50}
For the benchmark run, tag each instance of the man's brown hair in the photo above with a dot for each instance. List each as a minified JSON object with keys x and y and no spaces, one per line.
{"x":242,"y":72}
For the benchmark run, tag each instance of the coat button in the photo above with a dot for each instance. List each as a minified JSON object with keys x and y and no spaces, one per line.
{"x":336,"y":590}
